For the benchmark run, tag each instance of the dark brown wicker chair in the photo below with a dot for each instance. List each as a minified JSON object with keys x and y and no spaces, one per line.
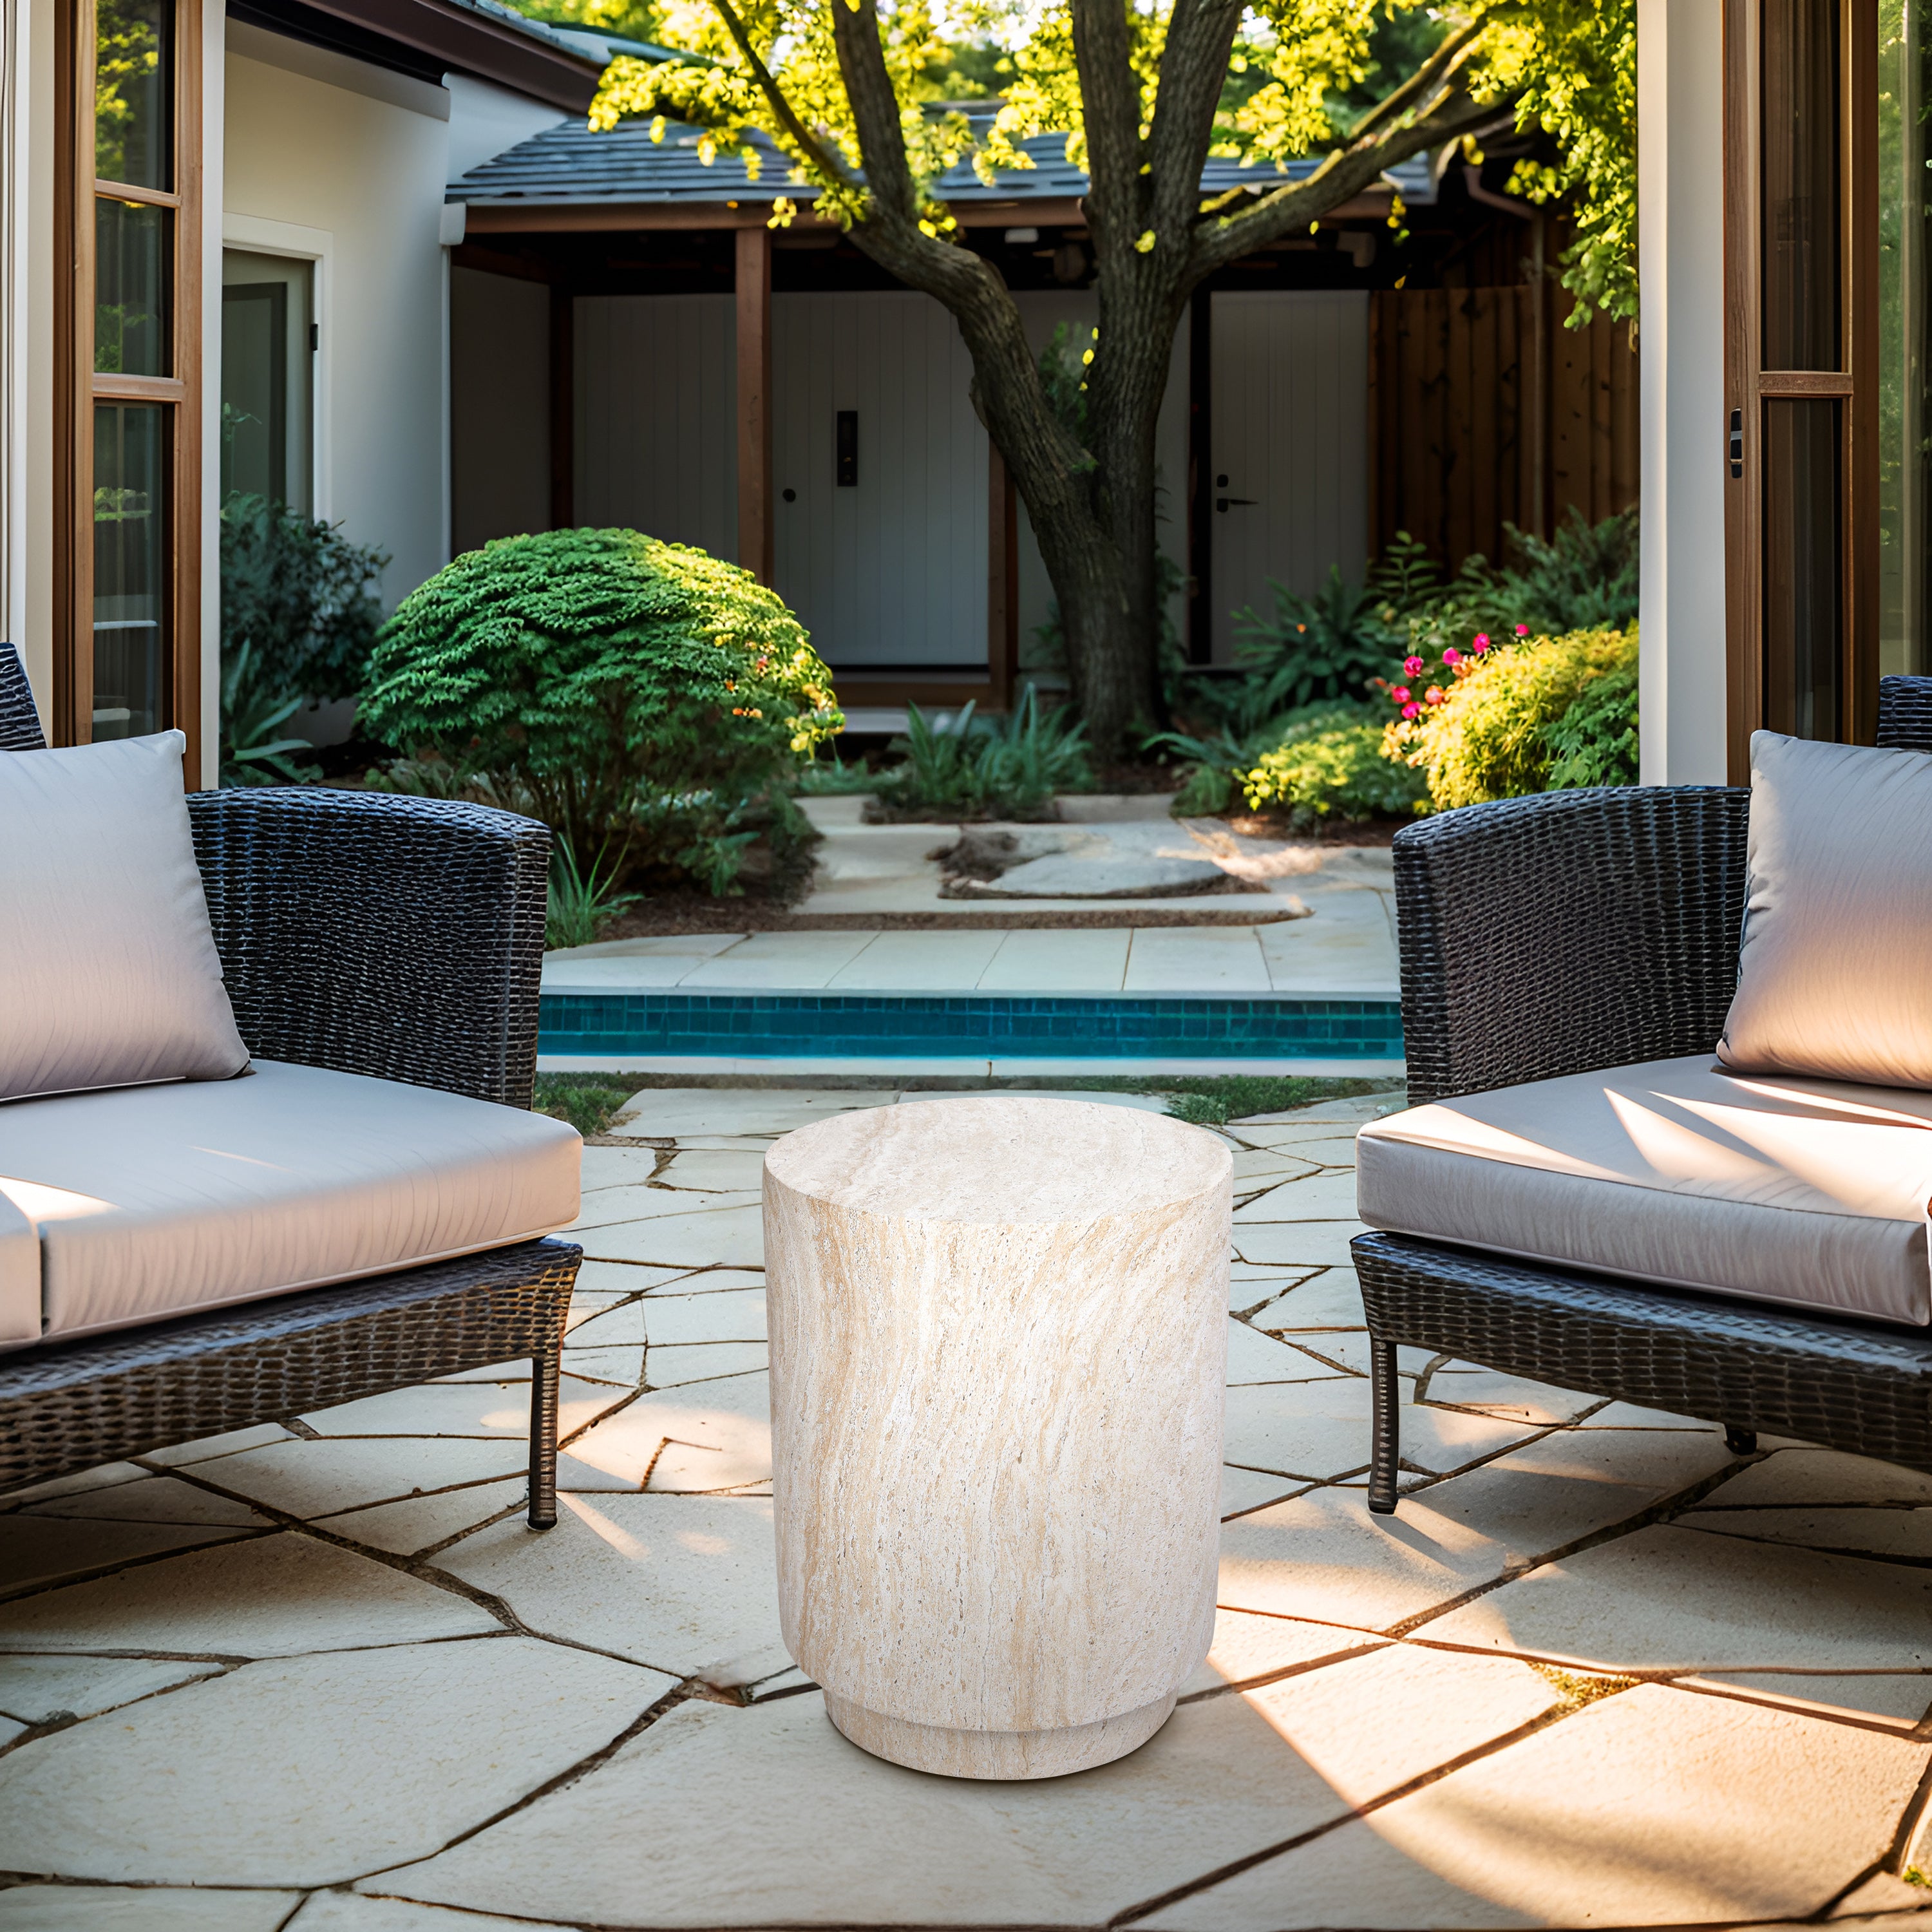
{"x":395,"y":937}
{"x":1577,"y":930}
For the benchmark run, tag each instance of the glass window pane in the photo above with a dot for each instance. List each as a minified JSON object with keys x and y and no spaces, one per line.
{"x":255,"y":390}
{"x":1904,"y":204}
{"x":130,"y":289}
{"x":1804,"y":566}
{"x":267,"y":377}
{"x":131,"y":569}
{"x":133,"y":92}
{"x":1800,"y":134}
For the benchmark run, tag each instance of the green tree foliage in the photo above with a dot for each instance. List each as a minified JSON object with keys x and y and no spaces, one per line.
{"x":856,"y":94}
{"x":620,"y":685}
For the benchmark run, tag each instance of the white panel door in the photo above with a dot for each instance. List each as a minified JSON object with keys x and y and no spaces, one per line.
{"x":657,"y":436}
{"x":888,"y":570}
{"x":1289,"y":430}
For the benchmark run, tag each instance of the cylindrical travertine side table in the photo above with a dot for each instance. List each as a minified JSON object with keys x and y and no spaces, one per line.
{"x":998,"y":1351}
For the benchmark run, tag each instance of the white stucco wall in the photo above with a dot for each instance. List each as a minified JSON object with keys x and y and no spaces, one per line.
{"x":484,"y":119}
{"x":346,"y":164}
{"x":1681,"y":262}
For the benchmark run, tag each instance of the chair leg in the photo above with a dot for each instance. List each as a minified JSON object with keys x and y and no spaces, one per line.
{"x":1740,"y":1441}
{"x":1386,"y":1427}
{"x":546,"y":1366}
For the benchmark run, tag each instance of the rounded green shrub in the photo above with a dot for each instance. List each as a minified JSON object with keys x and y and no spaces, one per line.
{"x":592,"y":675}
{"x":1329,"y":760}
{"x":1500,"y":727}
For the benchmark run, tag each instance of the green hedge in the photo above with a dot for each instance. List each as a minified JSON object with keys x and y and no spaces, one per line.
{"x":600,"y":679}
{"x":1329,"y":761}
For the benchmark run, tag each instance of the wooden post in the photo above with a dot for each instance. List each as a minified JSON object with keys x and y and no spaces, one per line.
{"x":755,"y":401}
{"x":562,"y":405}
{"x":1002,"y":615}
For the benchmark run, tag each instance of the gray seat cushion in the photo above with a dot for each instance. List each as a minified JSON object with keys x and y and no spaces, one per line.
{"x":152,"y":1202}
{"x":1808,"y":1193}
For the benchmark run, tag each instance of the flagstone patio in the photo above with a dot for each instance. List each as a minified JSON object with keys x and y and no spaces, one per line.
{"x":1598,"y":1671}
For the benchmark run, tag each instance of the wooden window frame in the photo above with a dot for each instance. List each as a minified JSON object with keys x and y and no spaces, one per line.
{"x":1748,"y":386}
{"x":78,"y":388}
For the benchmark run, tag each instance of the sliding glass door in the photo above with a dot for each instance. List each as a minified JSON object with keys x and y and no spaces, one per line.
{"x":130,"y":446}
{"x":1801,"y":456}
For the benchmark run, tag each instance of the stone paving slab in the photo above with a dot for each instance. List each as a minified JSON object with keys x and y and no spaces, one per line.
{"x":1597,"y":1670}
{"x":401,"y":1721}
{"x":1605,"y":1819}
{"x":98,"y":1908}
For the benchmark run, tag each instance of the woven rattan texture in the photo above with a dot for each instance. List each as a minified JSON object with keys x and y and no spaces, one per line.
{"x":375,"y":934}
{"x":1905,"y":713}
{"x":71,"y":1405}
{"x":1864,"y":1389}
{"x":1576,"y":929}
{"x":19,"y":722}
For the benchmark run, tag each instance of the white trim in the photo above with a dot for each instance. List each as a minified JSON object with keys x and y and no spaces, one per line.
{"x":1682,"y":670}
{"x":257,"y":235}
{"x":324,"y":65}
{"x":214,"y":107}
{"x":16,"y":113}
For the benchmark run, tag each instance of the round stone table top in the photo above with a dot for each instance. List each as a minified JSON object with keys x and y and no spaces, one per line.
{"x":999,"y":1159}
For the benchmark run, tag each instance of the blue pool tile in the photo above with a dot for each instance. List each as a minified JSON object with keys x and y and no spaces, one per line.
{"x":660,"y":1025}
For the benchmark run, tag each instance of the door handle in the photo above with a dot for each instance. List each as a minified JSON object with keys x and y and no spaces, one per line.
{"x":1221,"y":502}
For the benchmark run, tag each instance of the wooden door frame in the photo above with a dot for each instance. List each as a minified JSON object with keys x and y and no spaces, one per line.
{"x":77,"y":388}
{"x":1748,"y":386}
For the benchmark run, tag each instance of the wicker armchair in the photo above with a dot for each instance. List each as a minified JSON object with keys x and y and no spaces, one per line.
{"x":1559,"y":935}
{"x":397,"y":937}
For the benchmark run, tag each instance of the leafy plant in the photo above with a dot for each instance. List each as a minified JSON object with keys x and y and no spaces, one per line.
{"x":302,"y":594}
{"x":1594,"y":742}
{"x":1007,"y":768}
{"x":1313,"y":648}
{"x":1583,"y":578}
{"x":253,"y":712}
{"x":832,"y":778}
{"x":1490,"y":736}
{"x":596,"y":674}
{"x":1330,"y":761}
{"x":581,"y":905}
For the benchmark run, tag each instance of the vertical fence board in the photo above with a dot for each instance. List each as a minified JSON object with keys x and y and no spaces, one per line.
{"x":1453,"y":400}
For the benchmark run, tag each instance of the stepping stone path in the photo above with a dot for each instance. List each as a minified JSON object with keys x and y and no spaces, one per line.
{"x":317,"y":1675}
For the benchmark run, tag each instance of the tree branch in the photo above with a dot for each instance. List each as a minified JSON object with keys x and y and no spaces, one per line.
{"x":875,"y":110}
{"x":807,"y":142}
{"x":1344,"y":174}
{"x":1193,"y":67}
{"x":1110,"y":99}
{"x":1421,"y":85}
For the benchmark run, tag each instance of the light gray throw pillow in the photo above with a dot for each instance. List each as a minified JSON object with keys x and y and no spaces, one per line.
{"x":109,"y":976}
{"x":1835,"y":975}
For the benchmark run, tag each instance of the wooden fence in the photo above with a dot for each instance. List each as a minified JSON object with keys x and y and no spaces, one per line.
{"x":1484,"y":409}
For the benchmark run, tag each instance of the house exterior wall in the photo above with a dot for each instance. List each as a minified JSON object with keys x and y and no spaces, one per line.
{"x":499,"y":407}
{"x":1289,"y":429}
{"x":892,"y":571}
{"x":1681,"y":263}
{"x":656,"y":425}
{"x":344,"y":164}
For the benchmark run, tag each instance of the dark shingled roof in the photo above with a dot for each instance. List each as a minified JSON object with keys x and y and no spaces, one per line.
{"x":569,"y":166}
